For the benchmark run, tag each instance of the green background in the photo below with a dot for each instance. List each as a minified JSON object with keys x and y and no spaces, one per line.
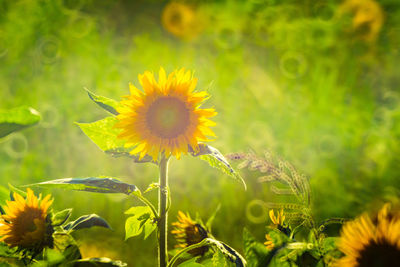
{"x":292,"y":77}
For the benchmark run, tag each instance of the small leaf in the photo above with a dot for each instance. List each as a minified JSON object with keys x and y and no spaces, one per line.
{"x":98,"y":262}
{"x":61,"y":217}
{"x":108,"y":104}
{"x":105,"y":136}
{"x":86,"y":221}
{"x":142,"y":219}
{"x":17,"y":119}
{"x":151,"y":187}
{"x":211,"y":218}
{"x":91,"y":184}
{"x":217,"y":160}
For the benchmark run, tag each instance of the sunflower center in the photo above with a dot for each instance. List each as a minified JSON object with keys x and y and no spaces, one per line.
{"x":24,"y":223}
{"x":379,"y":254}
{"x":168,"y":117}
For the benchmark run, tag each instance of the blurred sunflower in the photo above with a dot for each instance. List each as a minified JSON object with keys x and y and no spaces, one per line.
{"x":278,"y":219}
{"x":269,"y":244}
{"x":26,"y":223}
{"x":182,"y":20}
{"x":367,"y":17}
{"x":165,"y":118}
{"x":187,"y":232}
{"x":371,"y":242}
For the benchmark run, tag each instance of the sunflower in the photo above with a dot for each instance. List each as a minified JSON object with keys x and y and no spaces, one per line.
{"x":367,"y":17}
{"x":187,"y":232}
{"x":269,"y":244}
{"x":26,"y":223}
{"x":181,"y":20}
{"x":278,"y":219}
{"x":371,"y":242}
{"x":166,"y":117}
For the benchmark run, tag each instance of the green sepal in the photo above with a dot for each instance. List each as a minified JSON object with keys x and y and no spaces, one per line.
{"x":17,"y":119}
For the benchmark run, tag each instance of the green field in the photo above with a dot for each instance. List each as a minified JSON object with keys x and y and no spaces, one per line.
{"x":313,"y":82}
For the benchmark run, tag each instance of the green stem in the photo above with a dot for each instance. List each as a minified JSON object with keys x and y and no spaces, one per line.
{"x":203,"y":243}
{"x":162,"y":212}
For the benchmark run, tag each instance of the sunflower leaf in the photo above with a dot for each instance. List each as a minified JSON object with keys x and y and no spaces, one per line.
{"x":108,"y":104}
{"x":17,"y":119}
{"x":105,"y":136}
{"x":86,"y":221}
{"x":142,"y":219}
{"x":215,"y":159}
{"x":61,"y":217}
{"x":103,"y":261}
{"x":91,"y":184}
{"x":229,"y":253}
{"x":255,"y":252}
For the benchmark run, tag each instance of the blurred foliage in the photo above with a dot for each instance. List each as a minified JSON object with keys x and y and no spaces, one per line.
{"x":304,"y":79}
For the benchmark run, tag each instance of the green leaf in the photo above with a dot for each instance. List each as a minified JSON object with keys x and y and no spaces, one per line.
{"x":191,"y":263}
{"x":229,"y":253}
{"x":72,"y":252}
{"x":98,"y":262}
{"x":61,"y":217}
{"x":86,"y":221}
{"x":91,"y":184}
{"x":65,"y":242}
{"x":105,"y":136}
{"x":142,"y":220}
{"x":218,"y":259}
{"x":255,"y":252}
{"x":215,"y":159}
{"x":211,"y":218}
{"x":108,"y":104}
{"x":17,"y":119}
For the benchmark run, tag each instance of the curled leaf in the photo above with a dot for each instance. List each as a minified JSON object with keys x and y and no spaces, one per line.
{"x":91,"y":184}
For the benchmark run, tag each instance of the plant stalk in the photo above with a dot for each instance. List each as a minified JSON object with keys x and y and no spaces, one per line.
{"x":162,"y":212}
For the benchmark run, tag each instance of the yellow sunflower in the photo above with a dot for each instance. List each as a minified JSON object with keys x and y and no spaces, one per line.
{"x":25,"y":223}
{"x":187,"y":232}
{"x":371,"y":242}
{"x":182,"y":20}
{"x":269,"y":244}
{"x":367,"y":17}
{"x":278,"y":219}
{"x":166,"y":117}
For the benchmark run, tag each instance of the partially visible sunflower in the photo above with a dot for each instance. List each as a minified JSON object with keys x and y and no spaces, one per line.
{"x":182,"y":20}
{"x":269,"y":244}
{"x":166,"y":117}
{"x":367,"y":17}
{"x":278,"y":219}
{"x":26,"y":223}
{"x":187,"y":232}
{"x":371,"y":242}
